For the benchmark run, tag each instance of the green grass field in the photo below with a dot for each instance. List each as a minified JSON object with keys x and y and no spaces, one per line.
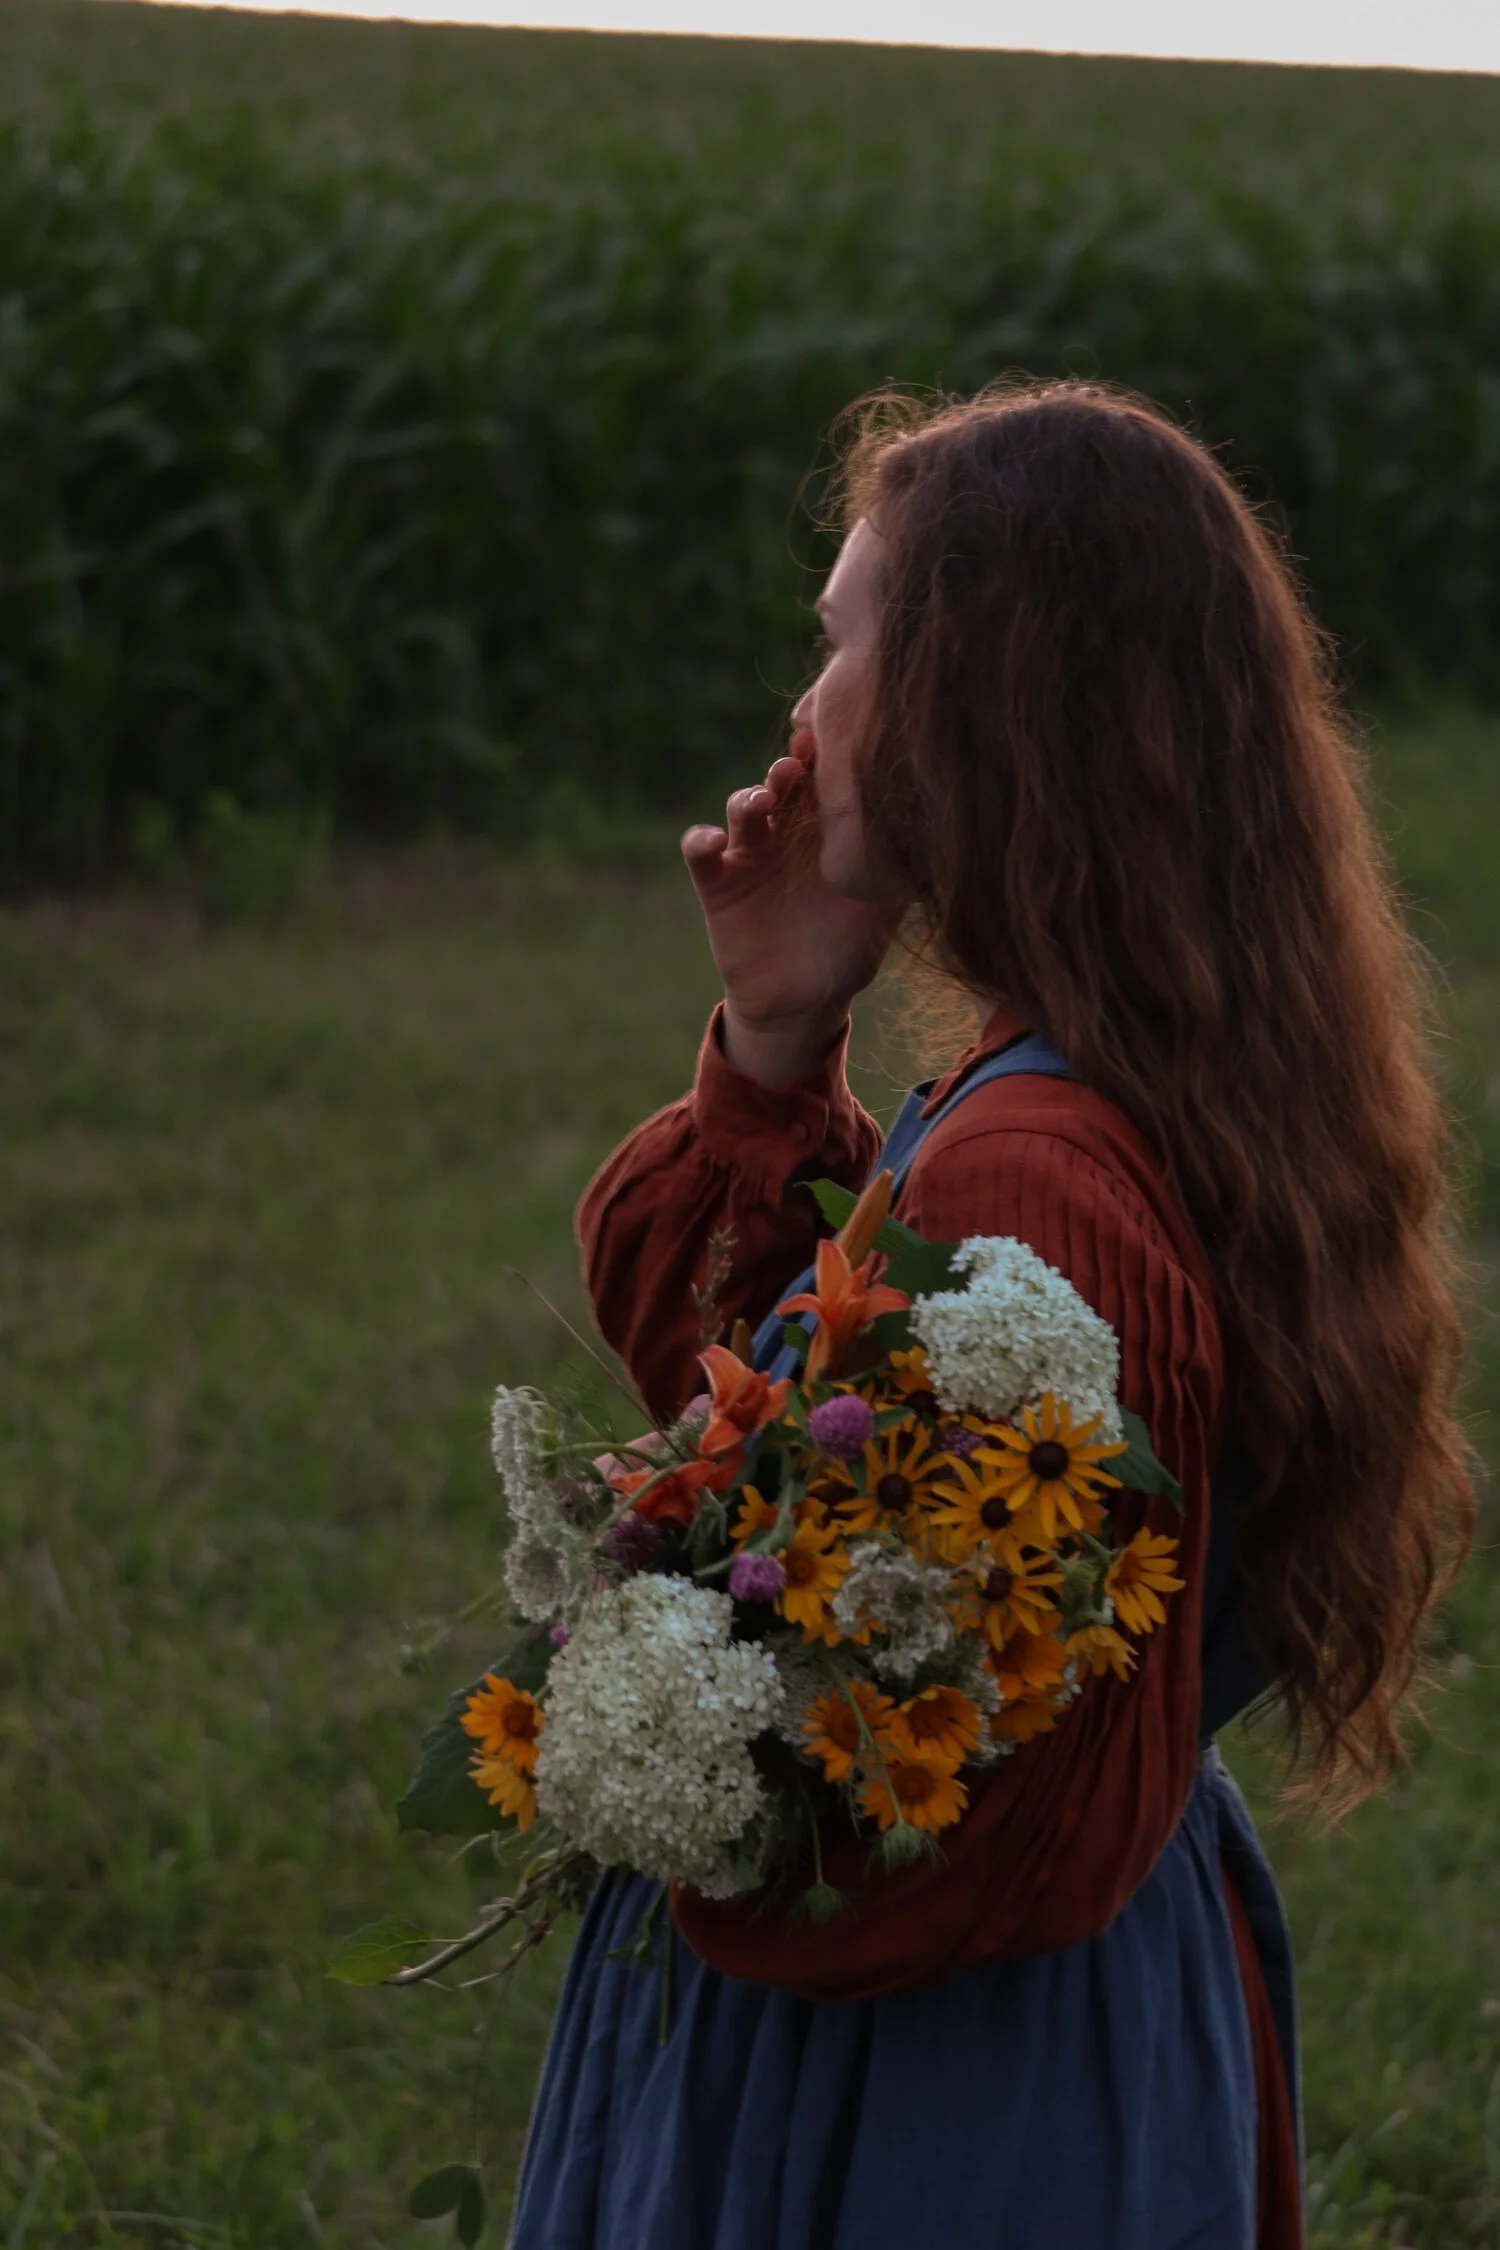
{"x":260,"y":1193}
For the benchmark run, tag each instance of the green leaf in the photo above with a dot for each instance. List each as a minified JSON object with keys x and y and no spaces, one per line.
{"x":1138,"y":1468}
{"x":793,"y":1333}
{"x":922,"y":1268}
{"x":833,"y":1201}
{"x":374,"y":1951}
{"x":442,"y":1796}
{"x":525,"y":1662}
{"x":468,"y":2225}
{"x":837,"y":1202}
{"x":440,"y":2192}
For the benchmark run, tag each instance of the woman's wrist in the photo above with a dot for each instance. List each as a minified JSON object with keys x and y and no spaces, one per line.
{"x":779,"y":1050}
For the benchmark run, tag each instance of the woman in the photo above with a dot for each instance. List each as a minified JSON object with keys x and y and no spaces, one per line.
{"x":1073,"y":714}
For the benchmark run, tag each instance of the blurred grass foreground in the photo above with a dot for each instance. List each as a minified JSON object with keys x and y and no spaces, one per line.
{"x":260,"y":1192}
{"x":400,"y":427}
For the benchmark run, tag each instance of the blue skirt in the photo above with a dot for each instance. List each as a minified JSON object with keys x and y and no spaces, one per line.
{"x":1101,"y":2096}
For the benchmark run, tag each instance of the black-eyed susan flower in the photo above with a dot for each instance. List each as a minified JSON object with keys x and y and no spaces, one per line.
{"x":754,"y":1514}
{"x":975,"y":1514}
{"x":1023,"y":1721}
{"x":831,"y":1727}
{"x":1099,"y":1649}
{"x":941,"y":1724}
{"x":897,"y":1477}
{"x":840,"y":1504}
{"x":1001,"y":1600}
{"x":1028,"y":1664}
{"x":1138,"y":1577}
{"x":924,"y":1794}
{"x":1047,"y":1469}
{"x":506,"y":1787}
{"x":909,"y":1377}
{"x":505,"y":1721}
{"x":816,"y":1562}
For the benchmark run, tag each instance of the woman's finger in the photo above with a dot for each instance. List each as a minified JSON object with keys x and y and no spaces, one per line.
{"x":703,"y":848}
{"x":748,"y":812}
{"x":784,"y":774}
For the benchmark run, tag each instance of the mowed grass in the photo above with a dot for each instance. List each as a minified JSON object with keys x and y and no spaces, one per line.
{"x":261,"y":1193}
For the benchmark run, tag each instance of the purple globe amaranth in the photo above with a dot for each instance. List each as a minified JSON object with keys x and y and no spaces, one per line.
{"x":633,"y":1543}
{"x":842,"y":1426}
{"x":559,"y":1636}
{"x":756,"y":1578}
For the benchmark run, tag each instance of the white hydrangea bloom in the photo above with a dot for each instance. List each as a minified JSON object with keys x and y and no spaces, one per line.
{"x":904,"y":1599}
{"x":650,"y":1709}
{"x":1020,"y":1328}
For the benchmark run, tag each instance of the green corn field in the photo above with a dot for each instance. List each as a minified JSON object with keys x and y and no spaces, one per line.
{"x":402,"y":429}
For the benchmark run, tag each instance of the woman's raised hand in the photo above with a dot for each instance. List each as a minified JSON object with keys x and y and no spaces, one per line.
{"x":791,"y":950}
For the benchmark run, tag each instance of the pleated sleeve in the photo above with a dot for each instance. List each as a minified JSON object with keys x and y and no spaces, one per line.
{"x":724,"y":1160}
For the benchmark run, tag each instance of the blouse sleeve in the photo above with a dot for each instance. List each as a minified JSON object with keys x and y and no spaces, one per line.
{"x":725,"y":1158}
{"x":1058,"y":1835}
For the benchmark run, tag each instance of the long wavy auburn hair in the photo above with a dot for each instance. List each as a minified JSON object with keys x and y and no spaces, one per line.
{"x":1106,"y":754}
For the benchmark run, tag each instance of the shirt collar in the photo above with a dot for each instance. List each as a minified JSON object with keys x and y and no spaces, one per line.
{"x":1000,"y":1028}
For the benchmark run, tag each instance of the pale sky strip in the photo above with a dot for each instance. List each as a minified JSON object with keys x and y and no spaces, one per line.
{"x":1405,"y":34}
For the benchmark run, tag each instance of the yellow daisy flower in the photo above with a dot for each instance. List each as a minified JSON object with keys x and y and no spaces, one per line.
{"x":831,"y":1730}
{"x":894,"y":1482}
{"x":1029,"y":1664}
{"x":816,"y":1562}
{"x":1101,"y":1649}
{"x":507,"y":1787}
{"x":839,"y":1505}
{"x":1020,"y":1722}
{"x":909,"y":1376}
{"x":1003,"y":1601}
{"x":902,"y":1471}
{"x":1047,"y":1465}
{"x":754,"y":1514}
{"x":941,"y":1724}
{"x":1138,"y":1577}
{"x":505,"y":1721}
{"x":913,"y":1789}
{"x":976,"y":1514}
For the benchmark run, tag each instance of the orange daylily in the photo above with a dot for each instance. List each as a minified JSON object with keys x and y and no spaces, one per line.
{"x":743,"y":1401}
{"x":845,"y":1301}
{"x":667,"y":1493}
{"x":856,"y":1237}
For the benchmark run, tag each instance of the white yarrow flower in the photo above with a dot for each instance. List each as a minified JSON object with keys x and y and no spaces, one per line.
{"x":1020,"y":1328}
{"x":516,"y":1426}
{"x":644,"y":1758}
{"x":543,"y":1575}
{"x":903,"y":1599}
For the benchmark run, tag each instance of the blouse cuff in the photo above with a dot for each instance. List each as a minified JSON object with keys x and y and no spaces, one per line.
{"x":764,"y":1133}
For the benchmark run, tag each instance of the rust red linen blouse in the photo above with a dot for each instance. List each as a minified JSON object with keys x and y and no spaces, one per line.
{"x":1060,"y":1834}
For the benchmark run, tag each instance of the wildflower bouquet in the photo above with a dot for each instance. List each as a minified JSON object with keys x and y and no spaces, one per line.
{"x":817,"y":1603}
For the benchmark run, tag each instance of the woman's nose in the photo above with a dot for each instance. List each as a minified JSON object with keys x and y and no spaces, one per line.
{"x":802,"y":710}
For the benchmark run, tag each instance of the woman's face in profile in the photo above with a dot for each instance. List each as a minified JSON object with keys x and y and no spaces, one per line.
{"x":836,"y":711}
